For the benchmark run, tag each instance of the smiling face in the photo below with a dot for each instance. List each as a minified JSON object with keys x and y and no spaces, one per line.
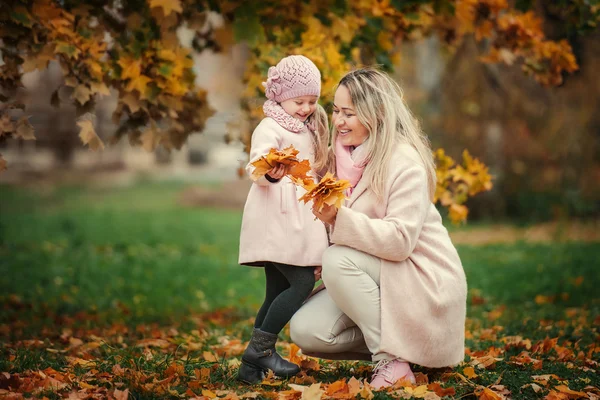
{"x":350,"y":131}
{"x":300,"y":107}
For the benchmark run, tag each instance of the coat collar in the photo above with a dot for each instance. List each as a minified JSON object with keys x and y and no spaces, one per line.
{"x":359,"y":189}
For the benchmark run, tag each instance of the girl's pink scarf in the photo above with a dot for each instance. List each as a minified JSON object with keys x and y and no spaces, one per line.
{"x":274,"y":110}
{"x":350,"y":163}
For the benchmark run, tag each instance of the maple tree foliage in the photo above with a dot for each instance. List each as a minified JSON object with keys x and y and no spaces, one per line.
{"x":131,"y":48}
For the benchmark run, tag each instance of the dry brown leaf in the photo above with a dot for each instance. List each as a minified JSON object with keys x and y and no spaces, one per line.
{"x":6,"y":125}
{"x":24,"y":129}
{"x":100,"y":88}
{"x":150,"y":138}
{"x":132,"y":101}
{"x":161,"y":343}
{"x":571,"y":393}
{"x":210,"y":357}
{"x":82,"y":94}
{"x":329,"y":191}
{"x":440,"y":391}
{"x":297,"y":170}
{"x":88,"y":135}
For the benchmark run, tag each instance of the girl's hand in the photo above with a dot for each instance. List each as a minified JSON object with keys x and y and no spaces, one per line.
{"x":327,"y":214}
{"x":318,"y":271}
{"x":278,"y":171}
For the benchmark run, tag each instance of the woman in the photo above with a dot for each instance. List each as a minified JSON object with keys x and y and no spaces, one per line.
{"x":395,"y":289}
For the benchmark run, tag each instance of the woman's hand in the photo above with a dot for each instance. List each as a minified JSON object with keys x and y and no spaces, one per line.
{"x":278,"y":171}
{"x":318,"y":271}
{"x":327,"y":214}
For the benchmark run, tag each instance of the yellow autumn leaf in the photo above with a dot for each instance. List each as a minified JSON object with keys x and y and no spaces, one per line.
{"x":208,"y":393}
{"x":168,"y":6}
{"x":82,"y":94}
{"x":88,"y":135}
{"x":139,"y":84}
{"x":470,"y":372}
{"x":329,"y":191}
{"x":130,"y":68}
{"x":297,"y":170}
{"x":100,"y":88}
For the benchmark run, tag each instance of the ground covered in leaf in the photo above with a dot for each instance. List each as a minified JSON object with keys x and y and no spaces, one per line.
{"x":105,"y":297}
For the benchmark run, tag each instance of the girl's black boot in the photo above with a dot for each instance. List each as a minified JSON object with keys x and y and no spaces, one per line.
{"x":260,"y":356}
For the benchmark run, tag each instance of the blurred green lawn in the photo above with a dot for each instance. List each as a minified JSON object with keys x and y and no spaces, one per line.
{"x":136,"y":250}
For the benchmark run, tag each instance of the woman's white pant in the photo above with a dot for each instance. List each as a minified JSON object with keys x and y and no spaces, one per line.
{"x":346,"y":316}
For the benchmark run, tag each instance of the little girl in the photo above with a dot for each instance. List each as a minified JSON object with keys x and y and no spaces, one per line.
{"x":279,"y":233}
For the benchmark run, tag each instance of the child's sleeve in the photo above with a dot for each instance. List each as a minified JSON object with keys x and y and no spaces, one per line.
{"x":264,"y":138}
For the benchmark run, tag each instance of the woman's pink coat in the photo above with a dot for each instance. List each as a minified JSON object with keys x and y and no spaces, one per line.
{"x":423,"y":285}
{"x":276,"y":226}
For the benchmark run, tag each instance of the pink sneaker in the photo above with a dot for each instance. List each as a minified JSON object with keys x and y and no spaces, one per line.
{"x":387,"y":372}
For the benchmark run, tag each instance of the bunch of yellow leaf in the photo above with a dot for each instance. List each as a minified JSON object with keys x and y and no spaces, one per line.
{"x":297,"y":170}
{"x":328,"y":191}
{"x":456,"y":183}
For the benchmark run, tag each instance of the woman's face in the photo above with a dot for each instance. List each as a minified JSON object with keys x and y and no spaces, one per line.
{"x":350,"y":131}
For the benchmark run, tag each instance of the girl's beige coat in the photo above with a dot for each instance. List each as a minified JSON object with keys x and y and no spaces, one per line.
{"x":276,"y":226}
{"x":423,"y":285}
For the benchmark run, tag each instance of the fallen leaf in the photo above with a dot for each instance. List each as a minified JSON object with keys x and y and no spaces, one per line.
{"x":313,"y":392}
{"x":337,"y":386}
{"x":161,"y":343}
{"x":440,"y":391}
{"x":209,"y":394}
{"x":2,"y":164}
{"x":571,"y":393}
{"x":470,"y":372}
{"x":487,"y":394}
{"x":210,"y":357}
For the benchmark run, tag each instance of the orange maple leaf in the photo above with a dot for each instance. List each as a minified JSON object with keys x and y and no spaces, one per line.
{"x":328,"y":191}
{"x":297,"y":170}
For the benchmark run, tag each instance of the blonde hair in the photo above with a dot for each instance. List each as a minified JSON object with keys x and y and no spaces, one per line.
{"x":380,"y":107}
{"x":320,"y":139}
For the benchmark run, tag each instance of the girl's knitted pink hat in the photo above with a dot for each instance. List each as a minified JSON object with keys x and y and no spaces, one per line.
{"x":293,"y":76}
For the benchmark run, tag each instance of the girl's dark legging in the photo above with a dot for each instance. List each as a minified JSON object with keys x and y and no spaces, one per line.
{"x":287,"y":288}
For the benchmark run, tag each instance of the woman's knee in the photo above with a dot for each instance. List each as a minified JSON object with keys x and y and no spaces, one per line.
{"x":335,"y":258}
{"x":302,"y":332}
{"x":309,"y":330}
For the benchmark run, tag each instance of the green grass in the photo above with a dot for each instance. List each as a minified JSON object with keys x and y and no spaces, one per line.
{"x":88,"y":258}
